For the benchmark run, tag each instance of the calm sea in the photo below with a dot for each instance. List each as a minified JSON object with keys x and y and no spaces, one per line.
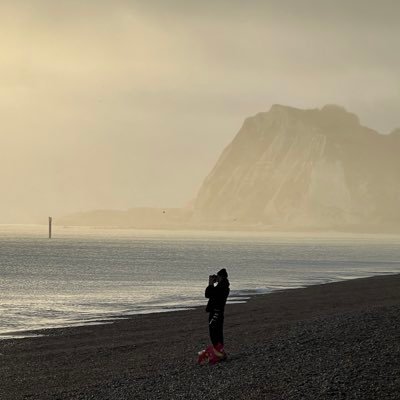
{"x":86,"y":275}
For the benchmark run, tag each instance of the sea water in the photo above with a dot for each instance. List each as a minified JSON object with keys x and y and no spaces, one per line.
{"x":87,"y":275}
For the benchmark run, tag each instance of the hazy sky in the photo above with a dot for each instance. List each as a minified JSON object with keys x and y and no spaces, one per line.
{"x":117,"y":104}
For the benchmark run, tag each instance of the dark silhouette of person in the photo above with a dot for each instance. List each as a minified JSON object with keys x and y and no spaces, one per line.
{"x":217,"y":292}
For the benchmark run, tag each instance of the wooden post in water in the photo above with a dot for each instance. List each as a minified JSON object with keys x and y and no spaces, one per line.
{"x":50,"y":221}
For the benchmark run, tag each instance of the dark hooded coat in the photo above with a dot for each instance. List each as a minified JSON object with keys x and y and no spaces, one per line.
{"x":217,"y":296}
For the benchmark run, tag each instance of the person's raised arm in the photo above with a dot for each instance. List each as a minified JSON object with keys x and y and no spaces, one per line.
{"x":210,"y":289}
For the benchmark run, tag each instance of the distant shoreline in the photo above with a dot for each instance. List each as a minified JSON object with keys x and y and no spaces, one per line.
{"x":206,"y":230}
{"x":356,"y":229}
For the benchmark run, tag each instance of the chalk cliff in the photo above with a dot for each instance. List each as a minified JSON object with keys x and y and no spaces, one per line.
{"x":293,"y":168}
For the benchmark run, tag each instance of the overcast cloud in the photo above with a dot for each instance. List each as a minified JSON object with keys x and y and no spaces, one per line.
{"x":117,"y":104}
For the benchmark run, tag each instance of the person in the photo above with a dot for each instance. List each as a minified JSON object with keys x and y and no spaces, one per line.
{"x":217,"y":296}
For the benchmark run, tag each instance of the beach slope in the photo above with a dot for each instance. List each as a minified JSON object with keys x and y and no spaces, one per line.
{"x":333,"y":341}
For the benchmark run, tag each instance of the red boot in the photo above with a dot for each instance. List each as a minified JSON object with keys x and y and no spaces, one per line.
{"x":219,"y":352}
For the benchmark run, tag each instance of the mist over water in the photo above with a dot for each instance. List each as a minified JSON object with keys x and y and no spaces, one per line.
{"x":84,"y":275}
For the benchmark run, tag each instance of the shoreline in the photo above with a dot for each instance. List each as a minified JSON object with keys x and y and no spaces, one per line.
{"x":40,"y":332}
{"x":210,"y":231}
{"x":331,"y":340}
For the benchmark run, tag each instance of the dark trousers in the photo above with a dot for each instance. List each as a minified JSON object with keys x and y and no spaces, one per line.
{"x":216,"y":327}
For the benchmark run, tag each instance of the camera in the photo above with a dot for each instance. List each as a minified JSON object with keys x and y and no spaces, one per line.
{"x":213,"y":277}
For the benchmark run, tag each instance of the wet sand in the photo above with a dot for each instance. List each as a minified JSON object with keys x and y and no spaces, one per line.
{"x":332,"y":341}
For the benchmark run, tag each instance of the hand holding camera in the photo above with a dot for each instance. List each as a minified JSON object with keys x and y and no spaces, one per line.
{"x":212,"y":279}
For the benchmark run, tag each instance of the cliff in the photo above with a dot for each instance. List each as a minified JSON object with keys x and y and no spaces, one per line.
{"x":292,"y":169}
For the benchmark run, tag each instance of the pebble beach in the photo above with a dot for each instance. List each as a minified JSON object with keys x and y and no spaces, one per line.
{"x":333,"y":341}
